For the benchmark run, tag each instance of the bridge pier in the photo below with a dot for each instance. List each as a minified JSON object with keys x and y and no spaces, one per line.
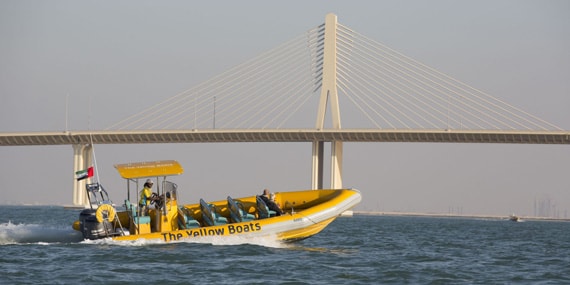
{"x":318,"y":165}
{"x":82,"y":159}
{"x":336,"y":164}
{"x":317,"y":171}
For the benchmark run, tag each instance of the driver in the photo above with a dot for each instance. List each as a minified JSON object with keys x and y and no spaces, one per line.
{"x":145,"y":194}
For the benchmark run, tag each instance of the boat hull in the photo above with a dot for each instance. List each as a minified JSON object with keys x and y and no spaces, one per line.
{"x":307,"y":213}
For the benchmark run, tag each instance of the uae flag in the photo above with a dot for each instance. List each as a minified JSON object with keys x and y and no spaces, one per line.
{"x":82,"y":174}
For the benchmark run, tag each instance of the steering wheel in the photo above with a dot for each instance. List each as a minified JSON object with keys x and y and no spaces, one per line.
{"x":156,"y":200}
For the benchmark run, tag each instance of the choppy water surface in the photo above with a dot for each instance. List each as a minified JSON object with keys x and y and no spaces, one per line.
{"x":38,"y":246}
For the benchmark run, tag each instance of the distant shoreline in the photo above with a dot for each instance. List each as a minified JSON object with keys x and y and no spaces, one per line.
{"x":415,"y":214}
{"x":380,"y":213}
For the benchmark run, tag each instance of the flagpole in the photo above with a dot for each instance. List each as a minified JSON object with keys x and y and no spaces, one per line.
{"x":94,"y":157}
{"x":92,"y":145}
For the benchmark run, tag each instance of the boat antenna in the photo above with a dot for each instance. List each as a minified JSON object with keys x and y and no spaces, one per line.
{"x":66,"y":112}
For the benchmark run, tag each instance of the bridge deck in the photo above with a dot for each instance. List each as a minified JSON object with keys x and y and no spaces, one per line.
{"x":291,"y":135}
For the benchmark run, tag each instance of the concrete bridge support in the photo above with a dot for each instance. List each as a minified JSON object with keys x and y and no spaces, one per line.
{"x":82,"y":159}
{"x":335,"y":164}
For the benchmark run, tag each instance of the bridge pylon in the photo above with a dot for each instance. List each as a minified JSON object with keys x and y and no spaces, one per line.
{"x":328,"y":94}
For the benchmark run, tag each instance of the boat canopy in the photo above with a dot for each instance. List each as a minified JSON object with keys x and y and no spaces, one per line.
{"x":149,"y":169}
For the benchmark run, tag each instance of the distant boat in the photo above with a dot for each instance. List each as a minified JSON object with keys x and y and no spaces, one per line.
{"x":514,"y":218}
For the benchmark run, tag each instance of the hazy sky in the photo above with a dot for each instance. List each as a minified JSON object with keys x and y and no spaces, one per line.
{"x":114,"y":58}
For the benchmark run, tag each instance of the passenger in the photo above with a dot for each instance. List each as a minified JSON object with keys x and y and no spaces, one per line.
{"x":272,"y":197}
{"x":145,"y":200}
{"x":269,"y":200}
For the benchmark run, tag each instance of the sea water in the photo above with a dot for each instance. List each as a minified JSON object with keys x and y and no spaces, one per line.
{"x":38,"y":246}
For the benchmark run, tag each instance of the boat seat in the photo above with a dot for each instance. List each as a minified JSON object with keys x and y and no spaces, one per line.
{"x":218,"y":219}
{"x":210,"y":216}
{"x":237,"y":212}
{"x":142,"y":220}
{"x":262,"y":209}
{"x":191,"y":223}
{"x":186,"y":221}
{"x":136,"y":218}
{"x":130,"y":208}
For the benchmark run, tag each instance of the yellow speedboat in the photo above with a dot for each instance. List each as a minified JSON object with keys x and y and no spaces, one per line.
{"x":306,"y":213}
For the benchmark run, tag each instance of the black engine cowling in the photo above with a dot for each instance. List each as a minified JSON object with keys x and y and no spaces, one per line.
{"x":93,"y":229}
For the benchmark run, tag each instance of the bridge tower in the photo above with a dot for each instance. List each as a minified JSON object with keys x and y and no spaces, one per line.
{"x":328,"y":94}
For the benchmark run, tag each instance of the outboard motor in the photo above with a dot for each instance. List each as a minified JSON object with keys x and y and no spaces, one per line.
{"x":97,"y":223}
{"x":93,"y":229}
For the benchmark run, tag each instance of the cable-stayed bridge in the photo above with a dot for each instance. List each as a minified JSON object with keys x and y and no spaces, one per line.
{"x":286,"y":95}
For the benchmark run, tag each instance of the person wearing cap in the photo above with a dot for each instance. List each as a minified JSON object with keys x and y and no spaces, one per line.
{"x":145,"y":194}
